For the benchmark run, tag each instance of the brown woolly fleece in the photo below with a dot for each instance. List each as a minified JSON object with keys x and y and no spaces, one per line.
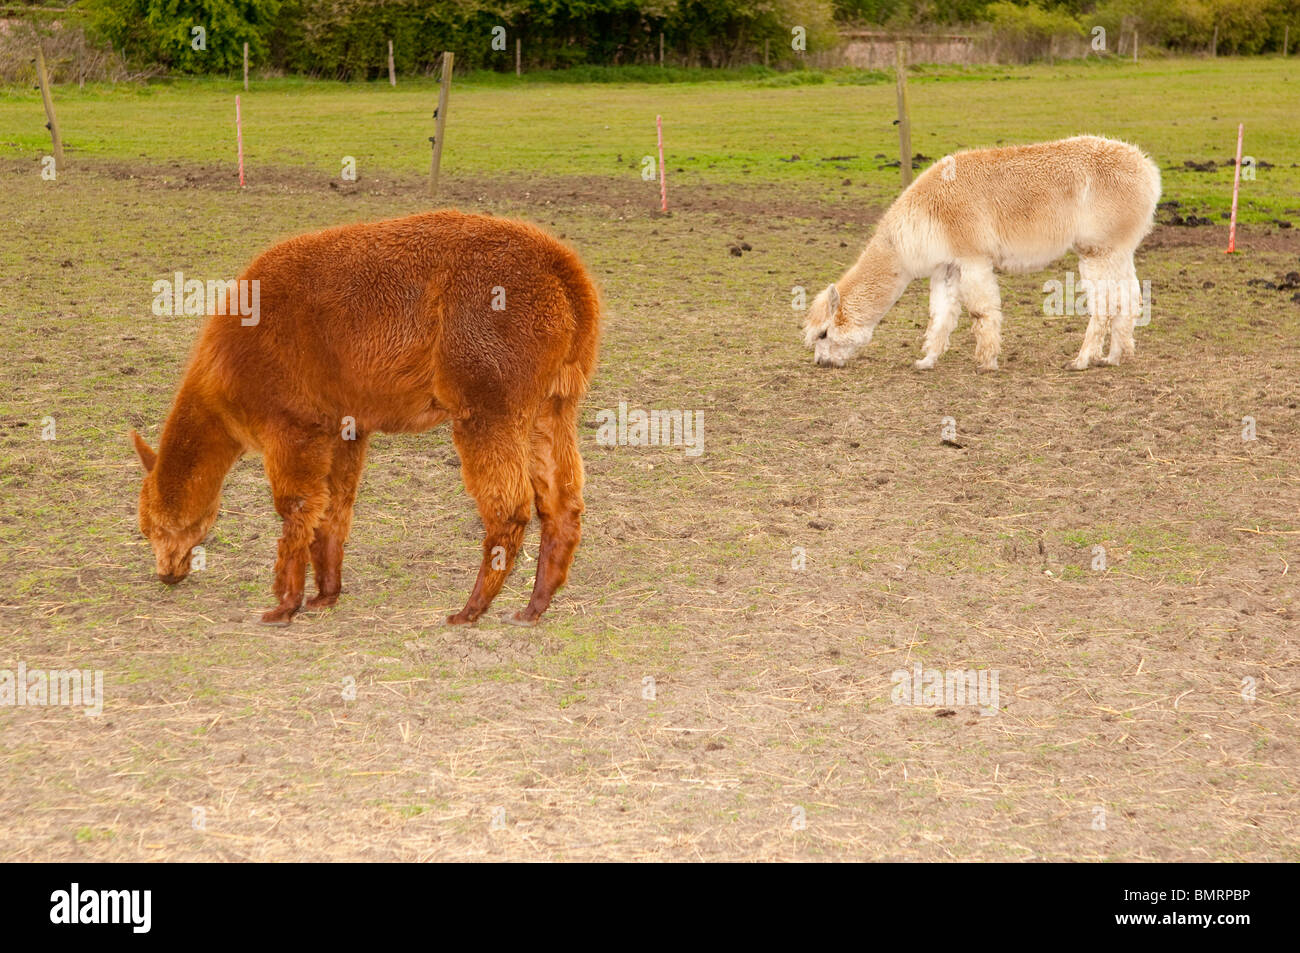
{"x":392,"y":326}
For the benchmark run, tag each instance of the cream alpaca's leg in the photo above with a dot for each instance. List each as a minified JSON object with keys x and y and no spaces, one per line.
{"x":1126,"y":312}
{"x":1100,"y":302}
{"x":979,"y":293}
{"x":945,"y":307}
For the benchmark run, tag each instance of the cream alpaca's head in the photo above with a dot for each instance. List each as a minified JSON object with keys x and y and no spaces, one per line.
{"x":173,"y":538}
{"x":833,"y":339}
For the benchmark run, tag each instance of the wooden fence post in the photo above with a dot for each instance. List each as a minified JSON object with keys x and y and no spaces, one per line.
{"x":904,"y":114}
{"x":663,"y":178}
{"x":519,"y":56}
{"x":245,"y":67}
{"x":440,"y":125}
{"x":239,"y":139}
{"x":1214,"y":44}
{"x":661,"y":47}
{"x":52,"y":123}
{"x":392,"y":67}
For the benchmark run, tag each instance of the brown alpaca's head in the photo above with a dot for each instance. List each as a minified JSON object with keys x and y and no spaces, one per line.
{"x":171,"y":531}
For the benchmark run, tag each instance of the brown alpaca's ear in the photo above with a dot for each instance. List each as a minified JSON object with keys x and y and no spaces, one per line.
{"x":147,"y":456}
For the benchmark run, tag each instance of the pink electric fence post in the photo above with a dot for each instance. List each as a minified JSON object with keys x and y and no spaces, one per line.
{"x":1236,"y":183}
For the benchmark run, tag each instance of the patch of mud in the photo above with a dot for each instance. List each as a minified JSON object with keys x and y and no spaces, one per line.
{"x":1210,"y":165}
{"x":739,"y":203}
{"x":1249,"y":238}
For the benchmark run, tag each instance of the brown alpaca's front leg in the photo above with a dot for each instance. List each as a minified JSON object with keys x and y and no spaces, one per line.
{"x":332,"y":533}
{"x":290,"y":578}
{"x":297,"y":467}
{"x":327,"y":564}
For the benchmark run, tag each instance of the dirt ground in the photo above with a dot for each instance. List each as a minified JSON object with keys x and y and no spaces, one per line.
{"x":715,"y":681}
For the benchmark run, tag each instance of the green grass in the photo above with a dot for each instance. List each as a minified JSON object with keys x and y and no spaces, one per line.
{"x":502,"y":125}
{"x":86,"y":835}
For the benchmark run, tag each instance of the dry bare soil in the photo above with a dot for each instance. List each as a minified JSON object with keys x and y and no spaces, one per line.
{"x":1147,"y":710}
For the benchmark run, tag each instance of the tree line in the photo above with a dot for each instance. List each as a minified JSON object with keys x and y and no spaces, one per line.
{"x":348,"y":39}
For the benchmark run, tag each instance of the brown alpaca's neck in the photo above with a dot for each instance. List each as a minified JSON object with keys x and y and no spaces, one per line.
{"x":194,"y":455}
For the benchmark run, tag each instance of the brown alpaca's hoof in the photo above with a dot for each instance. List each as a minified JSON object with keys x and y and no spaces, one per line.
{"x":279,"y":616}
{"x":323,"y":600}
{"x":518,"y":618}
{"x":461,"y":618}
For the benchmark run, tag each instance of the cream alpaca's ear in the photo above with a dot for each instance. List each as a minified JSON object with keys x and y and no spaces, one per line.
{"x":147,"y":456}
{"x":833,"y":299}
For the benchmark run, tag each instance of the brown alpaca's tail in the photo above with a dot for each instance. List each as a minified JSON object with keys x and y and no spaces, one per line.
{"x":570,"y":382}
{"x":575,"y":374}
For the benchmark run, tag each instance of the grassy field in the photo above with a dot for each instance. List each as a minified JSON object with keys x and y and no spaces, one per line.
{"x":737,"y":132}
{"x":770,"y":587}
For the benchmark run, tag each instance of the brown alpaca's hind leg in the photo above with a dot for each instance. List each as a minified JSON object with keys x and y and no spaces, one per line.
{"x":298,"y":465}
{"x":332,"y":533}
{"x":494,"y":465}
{"x":557,"y":478}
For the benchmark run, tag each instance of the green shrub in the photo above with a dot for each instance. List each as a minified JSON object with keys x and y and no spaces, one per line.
{"x":1029,"y":21}
{"x":349,"y":38}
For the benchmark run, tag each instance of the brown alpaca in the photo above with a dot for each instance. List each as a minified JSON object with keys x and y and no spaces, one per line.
{"x":391,"y":326}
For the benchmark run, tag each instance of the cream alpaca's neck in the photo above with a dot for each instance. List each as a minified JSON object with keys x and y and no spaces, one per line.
{"x":194,"y":454}
{"x":872,"y":285}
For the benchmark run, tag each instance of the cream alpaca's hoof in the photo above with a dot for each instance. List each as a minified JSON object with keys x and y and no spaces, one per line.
{"x":925,"y":363}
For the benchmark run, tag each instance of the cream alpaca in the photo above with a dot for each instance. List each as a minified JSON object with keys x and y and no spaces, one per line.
{"x":1016,"y":209}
